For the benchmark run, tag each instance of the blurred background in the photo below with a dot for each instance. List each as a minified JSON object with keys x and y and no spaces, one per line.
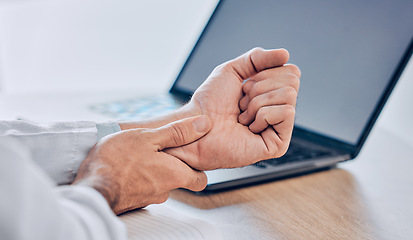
{"x":65,"y":45}
{"x":90,"y":46}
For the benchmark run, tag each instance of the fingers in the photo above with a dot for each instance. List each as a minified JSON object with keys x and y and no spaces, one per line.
{"x":287,"y":75}
{"x":281,"y":117}
{"x":270,"y":80}
{"x":182,"y":132}
{"x":275,"y":124}
{"x":283,"y":96}
{"x":180,"y":175}
{"x":257,"y":60}
{"x":195,"y":181}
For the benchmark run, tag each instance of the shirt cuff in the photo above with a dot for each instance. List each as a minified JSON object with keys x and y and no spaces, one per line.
{"x":107,"y":128}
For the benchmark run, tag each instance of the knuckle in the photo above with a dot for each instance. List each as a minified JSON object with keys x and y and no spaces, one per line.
{"x":273,"y":95}
{"x":294,"y":81}
{"x":179,"y":134}
{"x":257,"y":89}
{"x":255,"y":53}
{"x":289,"y":111}
{"x":290,"y":92}
{"x":257,"y":49}
{"x":294,"y":69}
{"x":222,"y":67}
{"x":261,"y":113}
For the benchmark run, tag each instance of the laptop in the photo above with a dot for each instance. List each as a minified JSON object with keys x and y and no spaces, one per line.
{"x":351,"y":54}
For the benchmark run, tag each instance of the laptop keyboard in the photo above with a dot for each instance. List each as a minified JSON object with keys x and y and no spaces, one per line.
{"x":295,"y":153}
{"x":139,"y":108}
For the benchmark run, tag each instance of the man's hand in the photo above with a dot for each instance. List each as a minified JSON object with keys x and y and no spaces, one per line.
{"x":251,"y":121}
{"x":131,"y":171}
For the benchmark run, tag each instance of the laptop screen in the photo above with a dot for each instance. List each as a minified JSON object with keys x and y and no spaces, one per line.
{"x":347,"y":51}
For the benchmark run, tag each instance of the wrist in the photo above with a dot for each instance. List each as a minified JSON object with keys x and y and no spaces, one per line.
{"x":188,"y":110}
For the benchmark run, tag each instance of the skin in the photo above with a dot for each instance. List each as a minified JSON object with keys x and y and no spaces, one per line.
{"x":131,"y":171}
{"x":247,"y":121}
{"x":251,"y":121}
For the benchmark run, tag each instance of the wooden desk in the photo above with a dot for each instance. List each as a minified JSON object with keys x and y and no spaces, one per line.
{"x":368,"y":198}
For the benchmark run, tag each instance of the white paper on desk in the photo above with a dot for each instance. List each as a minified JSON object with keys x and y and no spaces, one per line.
{"x":160,"y":222}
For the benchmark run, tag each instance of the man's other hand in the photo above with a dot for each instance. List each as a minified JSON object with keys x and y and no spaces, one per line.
{"x":131,"y":171}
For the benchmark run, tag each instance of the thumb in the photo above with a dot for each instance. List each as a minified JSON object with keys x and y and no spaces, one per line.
{"x":183,"y":132}
{"x":257,"y":60}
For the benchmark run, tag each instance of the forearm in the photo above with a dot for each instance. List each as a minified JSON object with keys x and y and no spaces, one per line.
{"x":183,"y":112}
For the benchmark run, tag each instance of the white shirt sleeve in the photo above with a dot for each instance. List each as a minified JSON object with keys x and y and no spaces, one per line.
{"x":58,"y":148}
{"x":33,"y":207}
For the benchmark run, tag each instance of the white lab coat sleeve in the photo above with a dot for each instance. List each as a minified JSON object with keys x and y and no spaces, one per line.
{"x":58,"y":148}
{"x":33,"y":207}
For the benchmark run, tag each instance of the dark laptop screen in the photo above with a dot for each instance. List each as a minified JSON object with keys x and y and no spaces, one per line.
{"x":347,"y":52}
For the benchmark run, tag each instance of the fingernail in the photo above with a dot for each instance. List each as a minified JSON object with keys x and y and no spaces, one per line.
{"x":201,"y":124}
